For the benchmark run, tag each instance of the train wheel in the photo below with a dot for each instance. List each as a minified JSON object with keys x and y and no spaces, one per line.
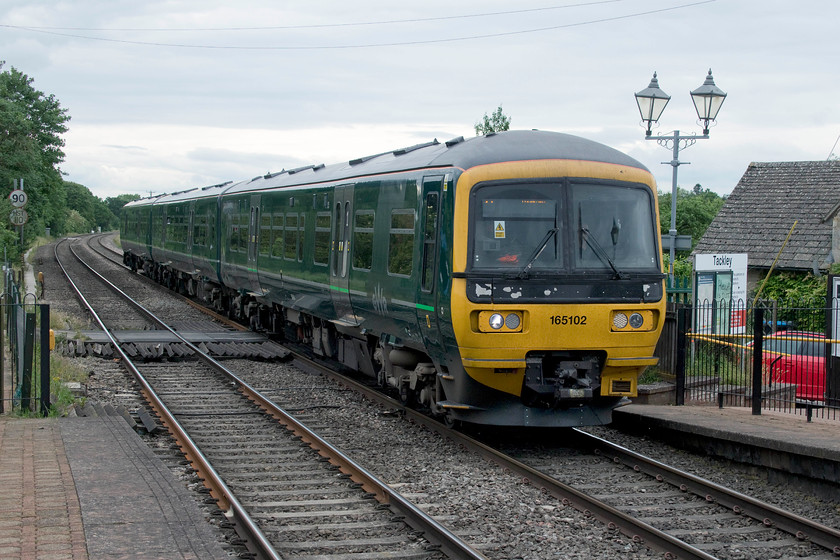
{"x":379,"y":366}
{"x":450,"y":421}
{"x":408,"y":396}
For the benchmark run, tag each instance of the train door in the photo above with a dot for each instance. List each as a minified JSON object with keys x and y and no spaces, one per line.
{"x":190,"y":235}
{"x":254,"y":243}
{"x":427,"y":293}
{"x":342,"y":212}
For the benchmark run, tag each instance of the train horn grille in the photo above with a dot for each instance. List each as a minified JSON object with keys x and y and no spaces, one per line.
{"x":621,"y":386}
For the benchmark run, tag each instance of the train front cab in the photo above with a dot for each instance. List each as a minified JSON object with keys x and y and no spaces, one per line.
{"x":557,"y":293}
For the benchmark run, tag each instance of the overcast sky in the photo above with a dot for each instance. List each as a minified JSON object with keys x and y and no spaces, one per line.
{"x":167,"y":95}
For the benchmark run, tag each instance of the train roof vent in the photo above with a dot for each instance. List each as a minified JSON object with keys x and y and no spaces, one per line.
{"x":450,"y":143}
{"x":317,"y":167}
{"x":403,"y":151}
{"x":357,"y":161}
{"x":299,"y":169}
{"x":215,"y":186}
{"x":184,"y":191}
{"x":271,"y":175}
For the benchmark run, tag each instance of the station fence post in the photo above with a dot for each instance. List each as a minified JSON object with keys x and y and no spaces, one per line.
{"x":758,"y":362}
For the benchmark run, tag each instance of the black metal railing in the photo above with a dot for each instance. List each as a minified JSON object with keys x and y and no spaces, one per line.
{"x":25,"y":339}
{"x":770,"y":355}
{"x":678,"y":291}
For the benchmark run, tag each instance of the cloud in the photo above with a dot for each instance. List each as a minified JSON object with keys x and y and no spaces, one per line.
{"x":161,"y":118}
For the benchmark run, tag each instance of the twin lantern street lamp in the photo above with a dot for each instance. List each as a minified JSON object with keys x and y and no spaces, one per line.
{"x":707,"y":99}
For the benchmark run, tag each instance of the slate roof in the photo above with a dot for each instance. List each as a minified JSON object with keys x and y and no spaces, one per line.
{"x":769,"y":198}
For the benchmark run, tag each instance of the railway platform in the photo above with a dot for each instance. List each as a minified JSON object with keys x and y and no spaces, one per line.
{"x":778,"y":440}
{"x":89,"y":488}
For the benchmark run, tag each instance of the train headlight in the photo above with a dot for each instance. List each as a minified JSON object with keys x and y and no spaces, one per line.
{"x":512,"y":321}
{"x":496,"y":321}
{"x":619,"y":320}
{"x":643,"y":320}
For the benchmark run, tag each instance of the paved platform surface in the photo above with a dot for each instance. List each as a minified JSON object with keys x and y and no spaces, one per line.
{"x":780,"y":440}
{"x":89,"y":488}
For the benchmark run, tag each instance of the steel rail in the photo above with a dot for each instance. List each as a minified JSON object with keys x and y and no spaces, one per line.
{"x":637,"y":530}
{"x":449,"y":543}
{"x":256,"y":541}
{"x":741,"y":504}
{"x":801,"y":528}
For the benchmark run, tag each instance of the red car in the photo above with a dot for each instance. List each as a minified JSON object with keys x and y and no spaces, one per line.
{"x":798,"y":358}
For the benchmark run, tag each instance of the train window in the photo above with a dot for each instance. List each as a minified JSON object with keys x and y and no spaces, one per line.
{"x":157,"y":230}
{"x":429,"y":241}
{"x":290,"y":237}
{"x":517,"y":226}
{"x":614,"y":226}
{"x":239,"y":238}
{"x":401,"y":242}
{"x":234,"y":232}
{"x":363,"y":240}
{"x":277,"y":236}
{"x":200,"y":230}
{"x":265,"y":234}
{"x":322,"y":238}
{"x":170,"y":230}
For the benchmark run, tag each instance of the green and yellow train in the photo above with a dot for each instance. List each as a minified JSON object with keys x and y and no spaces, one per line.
{"x":512,"y":279}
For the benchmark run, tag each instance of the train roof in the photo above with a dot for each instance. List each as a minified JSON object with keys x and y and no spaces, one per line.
{"x":515,"y":145}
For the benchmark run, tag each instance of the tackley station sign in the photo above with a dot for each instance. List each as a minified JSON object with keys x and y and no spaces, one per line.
{"x":720,"y":293}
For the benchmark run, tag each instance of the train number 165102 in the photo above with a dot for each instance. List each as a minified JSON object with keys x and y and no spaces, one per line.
{"x":568,"y":319}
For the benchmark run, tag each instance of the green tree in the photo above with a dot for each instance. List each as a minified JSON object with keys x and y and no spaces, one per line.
{"x":76,"y":223}
{"x":695,"y":211}
{"x":115,"y":203}
{"x":497,"y":122}
{"x":31,"y":148}
{"x":93,"y":209}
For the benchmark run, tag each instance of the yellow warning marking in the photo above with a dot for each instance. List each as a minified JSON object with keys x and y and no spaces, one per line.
{"x":499,"y":230}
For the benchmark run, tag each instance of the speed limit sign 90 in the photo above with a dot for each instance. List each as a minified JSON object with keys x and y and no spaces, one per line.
{"x":18,"y":198}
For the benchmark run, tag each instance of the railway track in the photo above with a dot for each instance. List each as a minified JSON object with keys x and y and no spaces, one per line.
{"x":292,"y":494}
{"x":679,"y":514}
{"x":711,"y":518}
{"x":139,"y":335}
{"x":651,"y":512}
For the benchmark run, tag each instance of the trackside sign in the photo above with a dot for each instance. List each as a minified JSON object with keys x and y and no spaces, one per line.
{"x":720,"y":293}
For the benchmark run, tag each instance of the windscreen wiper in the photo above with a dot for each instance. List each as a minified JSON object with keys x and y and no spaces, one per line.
{"x":537,"y":252}
{"x":596,"y":247}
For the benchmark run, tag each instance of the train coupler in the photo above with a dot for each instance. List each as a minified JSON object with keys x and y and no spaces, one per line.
{"x":552,"y":380}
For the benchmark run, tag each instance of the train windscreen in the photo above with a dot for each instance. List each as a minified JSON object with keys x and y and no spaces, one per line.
{"x":564,"y":227}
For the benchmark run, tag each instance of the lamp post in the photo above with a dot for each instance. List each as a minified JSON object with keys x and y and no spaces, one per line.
{"x":652,"y":101}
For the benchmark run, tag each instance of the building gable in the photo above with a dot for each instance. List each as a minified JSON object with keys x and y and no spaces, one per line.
{"x":758,"y":215}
